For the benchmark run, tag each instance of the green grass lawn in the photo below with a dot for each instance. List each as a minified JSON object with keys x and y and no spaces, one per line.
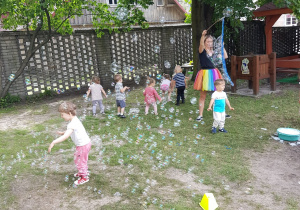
{"x":130,"y":157}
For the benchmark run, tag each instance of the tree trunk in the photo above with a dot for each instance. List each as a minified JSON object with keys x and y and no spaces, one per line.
{"x":201,"y":19}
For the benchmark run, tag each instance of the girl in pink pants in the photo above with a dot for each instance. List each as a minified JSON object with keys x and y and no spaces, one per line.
{"x":80,"y":138}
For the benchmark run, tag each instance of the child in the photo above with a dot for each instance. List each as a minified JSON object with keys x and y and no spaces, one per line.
{"x":165,"y":85}
{"x":180,"y":84}
{"x":80,"y":138}
{"x":120,"y":95}
{"x":151,"y":96}
{"x":218,"y":99}
{"x":96,"y":90}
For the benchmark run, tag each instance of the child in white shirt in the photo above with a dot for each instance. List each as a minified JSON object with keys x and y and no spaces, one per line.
{"x":219,"y":99}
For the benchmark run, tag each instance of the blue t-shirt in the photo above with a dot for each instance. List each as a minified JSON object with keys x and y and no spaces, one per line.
{"x":220,"y":101}
{"x":179,"y":79}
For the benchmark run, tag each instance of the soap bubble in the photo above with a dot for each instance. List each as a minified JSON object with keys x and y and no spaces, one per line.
{"x":172,"y":40}
{"x":27,"y":81}
{"x":217,"y":58}
{"x":156,"y":49}
{"x":167,"y":64}
{"x":193,"y":100}
{"x":66,"y":178}
{"x":122,"y":13}
{"x":227,"y":12}
{"x":171,"y":109}
{"x":158,"y":76}
{"x":137,"y":79}
{"x":114,"y":67}
{"x":131,"y":68}
{"x":11,"y":77}
{"x":195,"y":126}
{"x":112,"y":84}
{"x":134,"y":38}
{"x":126,"y":70}
{"x":162,"y":20}
{"x":177,"y":122}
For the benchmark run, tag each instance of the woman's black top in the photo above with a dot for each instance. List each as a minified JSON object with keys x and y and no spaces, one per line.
{"x":205,"y":61}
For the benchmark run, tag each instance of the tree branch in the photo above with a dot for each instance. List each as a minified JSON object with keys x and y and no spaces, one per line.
{"x":49,"y":32}
{"x":68,"y":16}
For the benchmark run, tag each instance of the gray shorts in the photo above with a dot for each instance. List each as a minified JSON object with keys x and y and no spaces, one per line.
{"x":121,"y":103}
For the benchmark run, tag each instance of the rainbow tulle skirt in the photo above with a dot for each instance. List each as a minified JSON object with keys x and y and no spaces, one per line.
{"x":205,"y":79}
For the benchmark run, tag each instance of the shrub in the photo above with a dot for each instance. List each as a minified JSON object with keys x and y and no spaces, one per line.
{"x":9,"y":100}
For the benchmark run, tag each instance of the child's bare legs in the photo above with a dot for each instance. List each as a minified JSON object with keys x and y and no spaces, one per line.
{"x":146,"y":109}
{"x":201,"y":102}
{"x":122,"y":110}
{"x":119,"y":110}
{"x":169,"y":95}
{"x":155,"y":108}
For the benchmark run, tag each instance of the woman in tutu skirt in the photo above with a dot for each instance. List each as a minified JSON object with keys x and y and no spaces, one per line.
{"x":209,"y":73}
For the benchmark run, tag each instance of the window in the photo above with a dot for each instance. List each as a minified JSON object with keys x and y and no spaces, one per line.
{"x":290,"y":20}
{"x":160,"y":2}
{"x":112,"y":2}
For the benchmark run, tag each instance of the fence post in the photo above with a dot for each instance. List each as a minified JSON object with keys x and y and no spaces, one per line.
{"x":104,"y":58}
{"x":168,"y":49}
{"x":272,"y":70}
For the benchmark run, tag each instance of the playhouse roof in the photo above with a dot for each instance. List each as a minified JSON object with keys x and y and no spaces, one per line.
{"x":270,"y":9}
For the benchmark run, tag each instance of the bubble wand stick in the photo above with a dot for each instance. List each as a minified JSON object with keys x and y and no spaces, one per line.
{"x":215,"y":23}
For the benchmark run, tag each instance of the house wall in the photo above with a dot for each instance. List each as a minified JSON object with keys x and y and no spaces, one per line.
{"x":281,"y":22}
{"x":170,"y":11}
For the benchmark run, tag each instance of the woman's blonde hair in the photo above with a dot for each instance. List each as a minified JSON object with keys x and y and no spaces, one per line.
{"x":67,"y":107}
{"x":207,"y":37}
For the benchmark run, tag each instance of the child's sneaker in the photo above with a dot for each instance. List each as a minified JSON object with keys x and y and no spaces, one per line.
{"x":122,"y":116}
{"x":199,"y":118}
{"x":213,"y":130}
{"x":81,"y":180}
{"x":223,"y":130}
{"x":77,"y":175}
{"x":228,"y":116}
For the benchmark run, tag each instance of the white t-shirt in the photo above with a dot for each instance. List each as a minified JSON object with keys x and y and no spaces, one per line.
{"x":220,"y":101}
{"x":96,"y":92}
{"x":166,"y":82}
{"x":79,"y":135}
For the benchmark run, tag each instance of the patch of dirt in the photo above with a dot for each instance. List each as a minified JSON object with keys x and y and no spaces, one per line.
{"x":34,"y":195}
{"x":276,"y":179}
{"x":36,"y":113}
{"x":186,"y":179}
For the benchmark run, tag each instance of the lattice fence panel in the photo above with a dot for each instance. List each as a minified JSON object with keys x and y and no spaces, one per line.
{"x":286,"y":41}
{"x":66,"y":62}
{"x":251,"y":39}
{"x":183,"y":45}
{"x":136,"y":49}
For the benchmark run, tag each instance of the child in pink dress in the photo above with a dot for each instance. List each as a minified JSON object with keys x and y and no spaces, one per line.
{"x":151,"y":96}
